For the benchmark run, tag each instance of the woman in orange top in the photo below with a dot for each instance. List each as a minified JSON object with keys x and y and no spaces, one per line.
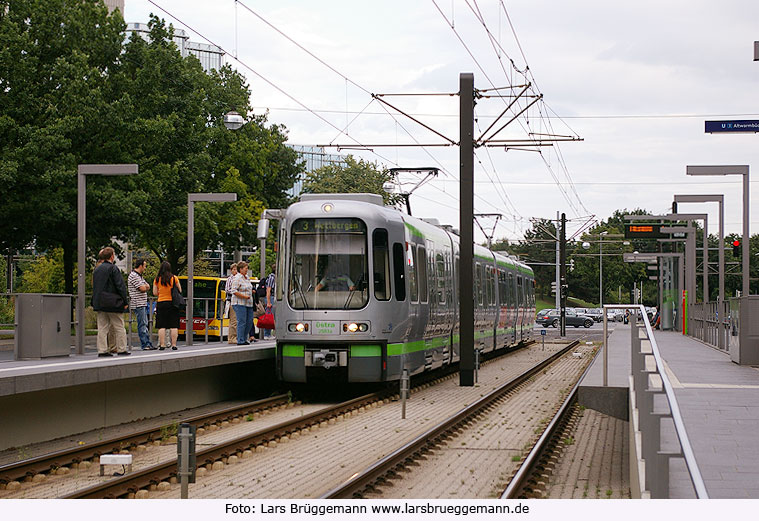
{"x":167,"y":316}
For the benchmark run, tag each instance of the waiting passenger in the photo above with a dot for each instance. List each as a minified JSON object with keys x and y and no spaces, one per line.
{"x":167,"y":316}
{"x":109,"y":300}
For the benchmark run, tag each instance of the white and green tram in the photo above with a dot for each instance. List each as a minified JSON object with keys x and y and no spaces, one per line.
{"x":365,"y":291}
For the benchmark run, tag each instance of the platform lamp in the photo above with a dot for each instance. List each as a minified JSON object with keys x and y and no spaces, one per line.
{"x":732,"y":170}
{"x":712,"y":198}
{"x":81,"y":231}
{"x":224,"y":197}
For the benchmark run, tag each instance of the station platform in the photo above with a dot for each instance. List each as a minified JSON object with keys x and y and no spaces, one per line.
{"x":21,"y":376}
{"x":60,"y":396}
{"x":719,"y":403}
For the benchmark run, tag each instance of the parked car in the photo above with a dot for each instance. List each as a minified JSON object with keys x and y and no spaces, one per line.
{"x":596,"y":313}
{"x":615,"y":315}
{"x":553,"y":317}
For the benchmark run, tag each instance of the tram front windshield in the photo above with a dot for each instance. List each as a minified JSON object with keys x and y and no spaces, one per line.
{"x":329,"y":264}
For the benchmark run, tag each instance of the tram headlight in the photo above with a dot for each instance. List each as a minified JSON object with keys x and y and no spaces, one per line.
{"x":298,"y":327}
{"x":355,"y":327}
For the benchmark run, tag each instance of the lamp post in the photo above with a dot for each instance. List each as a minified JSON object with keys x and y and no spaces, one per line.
{"x":732,"y":170}
{"x":189,"y":326}
{"x":718,"y":198}
{"x":601,"y":267}
{"x":81,"y":231}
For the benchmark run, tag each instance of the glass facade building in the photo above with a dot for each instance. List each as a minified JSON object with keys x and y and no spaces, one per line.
{"x":315,"y":157}
{"x":210,"y":56}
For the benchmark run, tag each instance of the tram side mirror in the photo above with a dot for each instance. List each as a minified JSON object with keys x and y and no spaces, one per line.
{"x":263,"y":229}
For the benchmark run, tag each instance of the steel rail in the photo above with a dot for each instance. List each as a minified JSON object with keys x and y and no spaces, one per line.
{"x":153,"y":475}
{"x":20,"y":470}
{"x":362,"y":479}
{"x":527,"y":467}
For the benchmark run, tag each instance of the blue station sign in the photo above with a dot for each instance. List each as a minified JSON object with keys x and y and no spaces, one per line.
{"x":741,"y":125}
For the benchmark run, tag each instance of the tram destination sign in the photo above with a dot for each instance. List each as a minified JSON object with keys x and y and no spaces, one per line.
{"x":742,"y":125}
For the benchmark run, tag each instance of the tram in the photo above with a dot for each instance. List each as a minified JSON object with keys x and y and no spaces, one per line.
{"x":365,"y":291}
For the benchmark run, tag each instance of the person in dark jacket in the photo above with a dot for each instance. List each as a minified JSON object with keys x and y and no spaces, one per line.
{"x":109,"y":300}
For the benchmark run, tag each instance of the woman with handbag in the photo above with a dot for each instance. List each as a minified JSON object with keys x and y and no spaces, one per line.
{"x":243,"y":303}
{"x":167,"y":314}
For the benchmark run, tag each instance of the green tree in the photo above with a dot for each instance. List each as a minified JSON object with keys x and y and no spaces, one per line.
{"x":357,"y":177}
{"x":538,"y":250}
{"x":55,"y":60}
{"x":176,"y":135}
{"x":74,"y":93}
{"x":45,"y":275}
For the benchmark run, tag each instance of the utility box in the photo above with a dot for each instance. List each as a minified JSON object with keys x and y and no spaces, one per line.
{"x":744,"y":328}
{"x":43,"y":326}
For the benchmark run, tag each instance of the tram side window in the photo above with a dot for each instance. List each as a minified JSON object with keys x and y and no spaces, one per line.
{"x":411,"y":260}
{"x":511,"y":290}
{"x":399,"y":264}
{"x":381,"y":258}
{"x":478,"y":282}
{"x":422,"y":258}
{"x":440,"y":266}
{"x":501,"y":288}
{"x":487,"y":286}
{"x":492,"y":286}
{"x":520,"y":295}
{"x":456,"y":274}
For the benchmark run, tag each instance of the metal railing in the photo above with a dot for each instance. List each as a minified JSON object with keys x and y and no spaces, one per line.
{"x":648,"y":380}
{"x":711,"y":323}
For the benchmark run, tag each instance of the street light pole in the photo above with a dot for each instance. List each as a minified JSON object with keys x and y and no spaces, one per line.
{"x":81,"y":232}
{"x":718,"y":198}
{"x":189,"y":323}
{"x":601,"y":267}
{"x":732,"y":170}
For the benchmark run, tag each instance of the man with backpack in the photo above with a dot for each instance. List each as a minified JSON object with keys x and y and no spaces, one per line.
{"x":109,"y":300}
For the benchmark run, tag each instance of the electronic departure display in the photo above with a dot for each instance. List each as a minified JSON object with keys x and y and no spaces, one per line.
{"x":644,"y":231}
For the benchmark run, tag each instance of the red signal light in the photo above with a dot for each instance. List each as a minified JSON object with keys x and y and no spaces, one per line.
{"x":736,"y":242}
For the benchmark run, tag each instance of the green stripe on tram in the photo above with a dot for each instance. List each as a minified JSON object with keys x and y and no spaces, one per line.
{"x":366,"y":351}
{"x":293,"y":350}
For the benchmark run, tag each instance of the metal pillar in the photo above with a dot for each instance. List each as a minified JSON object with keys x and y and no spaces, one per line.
{"x":466,"y":225}
{"x":189,"y":323}
{"x":746,"y":237}
{"x":81,"y":231}
{"x":563,"y":266}
{"x":81,"y":234}
{"x":558,"y":263}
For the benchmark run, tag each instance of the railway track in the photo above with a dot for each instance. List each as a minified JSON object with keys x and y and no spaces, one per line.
{"x":389,"y":466}
{"x":47,"y":463}
{"x":132,"y":483}
{"x":537,"y":462}
{"x":151,"y":478}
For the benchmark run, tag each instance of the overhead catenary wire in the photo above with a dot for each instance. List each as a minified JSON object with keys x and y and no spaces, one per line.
{"x":348,"y":80}
{"x":526,"y":72}
{"x":565,"y":194}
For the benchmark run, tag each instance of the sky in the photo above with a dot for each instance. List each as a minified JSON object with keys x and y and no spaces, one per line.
{"x":635,"y":81}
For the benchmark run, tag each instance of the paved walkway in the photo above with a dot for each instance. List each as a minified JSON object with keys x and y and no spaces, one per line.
{"x":719,"y":402}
